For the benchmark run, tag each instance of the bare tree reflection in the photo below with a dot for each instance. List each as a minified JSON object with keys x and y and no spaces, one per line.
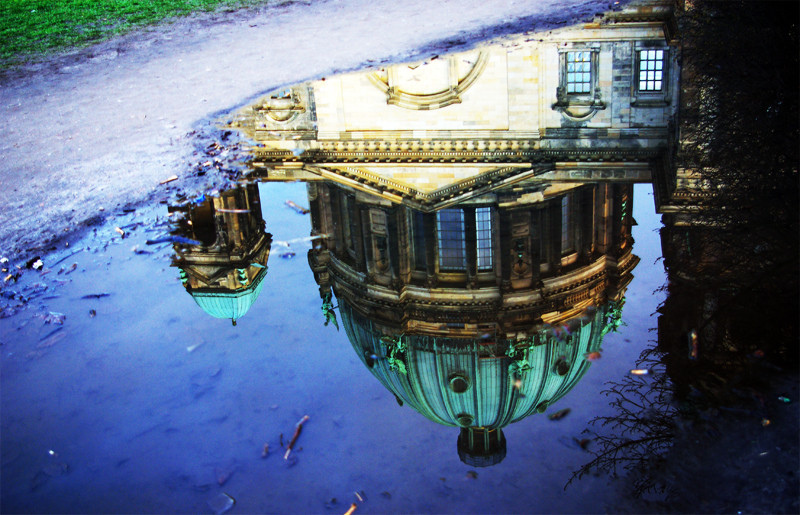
{"x":633,"y":441}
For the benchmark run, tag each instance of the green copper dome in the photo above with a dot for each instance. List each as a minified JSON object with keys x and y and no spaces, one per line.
{"x":230,"y":304}
{"x":471,"y":383}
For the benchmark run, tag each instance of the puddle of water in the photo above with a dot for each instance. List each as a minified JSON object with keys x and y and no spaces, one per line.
{"x":465,"y":269}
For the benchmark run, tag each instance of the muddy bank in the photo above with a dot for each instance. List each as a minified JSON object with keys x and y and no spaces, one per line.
{"x":103,"y":126}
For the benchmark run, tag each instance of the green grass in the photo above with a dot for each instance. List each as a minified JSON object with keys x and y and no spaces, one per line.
{"x":37,"y":28}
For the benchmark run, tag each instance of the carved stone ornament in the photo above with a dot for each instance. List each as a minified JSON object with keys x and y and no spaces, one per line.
{"x":430,"y":85}
{"x":578,"y":110}
{"x":282,"y":107}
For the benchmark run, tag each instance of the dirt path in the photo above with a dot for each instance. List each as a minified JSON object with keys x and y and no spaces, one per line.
{"x":102,"y":126}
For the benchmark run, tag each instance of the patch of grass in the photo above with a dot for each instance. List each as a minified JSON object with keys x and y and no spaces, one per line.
{"x":34,"y":28}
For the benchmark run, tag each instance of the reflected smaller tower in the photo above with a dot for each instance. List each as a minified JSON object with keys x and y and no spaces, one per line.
{"x":222,"y":251}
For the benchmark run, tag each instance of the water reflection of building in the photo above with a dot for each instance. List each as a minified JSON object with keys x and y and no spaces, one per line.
{"x":480,"y":314}
{"x":223,"y":255}
{"x":592,"y":102}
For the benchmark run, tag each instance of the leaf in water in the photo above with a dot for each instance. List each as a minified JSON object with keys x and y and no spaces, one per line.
{"x":592,"y":356}
{"x":558,"y":415}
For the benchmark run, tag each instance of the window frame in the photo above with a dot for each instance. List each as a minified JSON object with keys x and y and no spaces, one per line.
{"x":479,"y":232}
{"x":443,"y":264}
{"x":650,"y":98}
{"x":585,"y":98}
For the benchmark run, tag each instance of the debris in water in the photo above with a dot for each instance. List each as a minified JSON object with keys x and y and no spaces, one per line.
{"x":174,"y":239}
{"x":120,"y":231}
{"x":558,"y":415}
{"x":92,"y":313}
{"x":287,"y":255}
{"x":471,"y":474}
{"x":221,"y":503}
{"x":96,"y":295}
{"x":53,"y":317}
{"x":265,"y":451}
{"x":386,"y":495}
{"x":51,"y":339}
{"x":640,"y":371}
{"x":35,"y":263}
{"x":360,"y":496}
{"x":301,"y":210}
{"x":765,"y":422}
{"x":351,"y":509}
{"x":784,"y":399}
{"x":71,"y":269}
{"x":224,"y":472}
{"x":192,"y":348}
{"x":592,"y":356}
{"x":297,"y":430}
{"x":170,"y":179}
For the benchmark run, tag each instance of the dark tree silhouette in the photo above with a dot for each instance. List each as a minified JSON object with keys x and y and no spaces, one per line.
{"x":732,"y":255}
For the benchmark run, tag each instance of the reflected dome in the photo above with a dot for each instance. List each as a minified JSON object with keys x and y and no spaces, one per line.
{"x":480,"y":384}
{"x":483,"y":313}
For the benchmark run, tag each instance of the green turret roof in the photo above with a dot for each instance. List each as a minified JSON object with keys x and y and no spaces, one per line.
{"x":230,"y":304}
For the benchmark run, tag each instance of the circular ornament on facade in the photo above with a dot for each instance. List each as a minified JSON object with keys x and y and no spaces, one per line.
{"x":459,"y":383}
{"x":464,"y":420}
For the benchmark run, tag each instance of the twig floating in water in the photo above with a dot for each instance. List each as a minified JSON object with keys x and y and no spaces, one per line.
{"x":351,"y":510}
{"x":67,"y":257}
{"x":174,"y":239}
{"x":297,"y":430}
{"x":169,"y":179}
{"x":299,"y":209}
{"x":96,"y":295}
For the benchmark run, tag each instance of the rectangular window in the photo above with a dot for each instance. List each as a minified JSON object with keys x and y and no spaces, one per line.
{"x":579,"y":72}
{"x":418,"y":228}
{"x":452,"y":250}
{"x":651,"y":70}
{"x":566,"y":225}
{"x":483,"y":227}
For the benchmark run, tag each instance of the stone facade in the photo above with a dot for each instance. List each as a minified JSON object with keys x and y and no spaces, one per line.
{"x":456,"y":127}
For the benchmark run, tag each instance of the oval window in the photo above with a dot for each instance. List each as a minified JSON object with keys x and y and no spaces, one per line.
{"x":459,"y":383}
